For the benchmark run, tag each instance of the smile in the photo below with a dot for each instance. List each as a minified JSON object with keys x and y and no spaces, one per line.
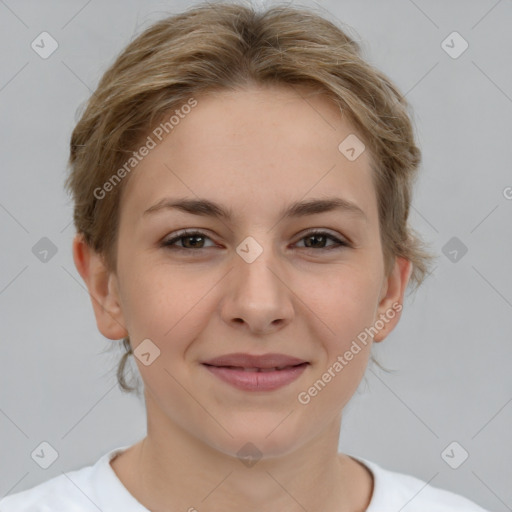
{"x":255,"y":378}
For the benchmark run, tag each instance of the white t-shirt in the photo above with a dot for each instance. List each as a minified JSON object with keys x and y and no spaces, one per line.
{"x":97,"y":488}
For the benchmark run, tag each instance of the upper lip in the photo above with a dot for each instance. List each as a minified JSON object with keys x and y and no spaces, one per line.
{"x":255,"y":361}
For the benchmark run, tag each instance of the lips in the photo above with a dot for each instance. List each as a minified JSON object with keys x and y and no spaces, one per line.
{"x":263,"y":370}
{"x":248,"y":362}
{"x":247,"y":372}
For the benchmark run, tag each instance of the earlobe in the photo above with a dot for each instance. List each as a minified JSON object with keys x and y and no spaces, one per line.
{"x":102,"y":289}
{"x":391,"y":302}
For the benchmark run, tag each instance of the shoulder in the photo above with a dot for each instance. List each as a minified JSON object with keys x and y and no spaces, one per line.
{"x":394,"y":491}
{"x":82,"y":490}
{"x":63,"y":492}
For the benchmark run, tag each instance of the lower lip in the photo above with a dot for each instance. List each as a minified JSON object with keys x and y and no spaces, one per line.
{"x":258,"y":381}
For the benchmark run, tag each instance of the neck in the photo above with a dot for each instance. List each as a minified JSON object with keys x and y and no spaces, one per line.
{"x":172,"y":469}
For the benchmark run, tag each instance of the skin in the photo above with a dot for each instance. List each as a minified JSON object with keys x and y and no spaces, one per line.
{"x":254,"y":151}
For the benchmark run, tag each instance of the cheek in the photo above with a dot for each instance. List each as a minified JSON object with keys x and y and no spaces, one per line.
{"x":345,"y":301}
{"x":346,"y":308}
{"x":167,"y":303}
{"x":168,"y":306}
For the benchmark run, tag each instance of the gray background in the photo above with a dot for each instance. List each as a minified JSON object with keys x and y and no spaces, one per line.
{"x":452,"y":348}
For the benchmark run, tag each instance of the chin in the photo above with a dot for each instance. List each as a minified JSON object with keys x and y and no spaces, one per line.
{"x":264,"y":439}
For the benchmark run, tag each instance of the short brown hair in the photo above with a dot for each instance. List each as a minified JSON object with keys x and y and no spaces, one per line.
{"x":227,"y":46}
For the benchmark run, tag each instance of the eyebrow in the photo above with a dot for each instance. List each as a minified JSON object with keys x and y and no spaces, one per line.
{"x":207,"y":208}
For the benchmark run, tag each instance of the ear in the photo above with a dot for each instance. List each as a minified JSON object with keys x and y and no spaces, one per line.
{"x":392,"y":297}
{"x":103,"y":289}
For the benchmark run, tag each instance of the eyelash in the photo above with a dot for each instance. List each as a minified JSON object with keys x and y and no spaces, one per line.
{"x":169,"y":244}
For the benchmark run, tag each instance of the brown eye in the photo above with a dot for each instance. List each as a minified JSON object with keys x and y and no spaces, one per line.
{"x":195,"y":240}
{"x":318,"y":239}
{"x":190,"y":240}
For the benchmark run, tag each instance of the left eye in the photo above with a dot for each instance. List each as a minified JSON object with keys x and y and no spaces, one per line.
{"x":193,"y":237}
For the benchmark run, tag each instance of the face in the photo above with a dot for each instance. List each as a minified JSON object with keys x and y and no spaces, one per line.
{"x":256,"y":282}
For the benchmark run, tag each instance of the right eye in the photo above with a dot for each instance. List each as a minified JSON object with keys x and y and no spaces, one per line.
{"x":184,"y":235}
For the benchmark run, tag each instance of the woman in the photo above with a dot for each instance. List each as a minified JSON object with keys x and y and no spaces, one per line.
{"x":242,"y":184}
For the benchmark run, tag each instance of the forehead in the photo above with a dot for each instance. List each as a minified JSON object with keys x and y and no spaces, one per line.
{"x":253,"y":150}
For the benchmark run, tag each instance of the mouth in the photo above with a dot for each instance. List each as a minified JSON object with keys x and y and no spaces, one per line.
{"x":270,"y":361}
{"x":256,"y":369}
{"x":256,"y":373}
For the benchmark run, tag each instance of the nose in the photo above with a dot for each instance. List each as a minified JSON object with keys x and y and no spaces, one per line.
{"x":259,"y":296}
